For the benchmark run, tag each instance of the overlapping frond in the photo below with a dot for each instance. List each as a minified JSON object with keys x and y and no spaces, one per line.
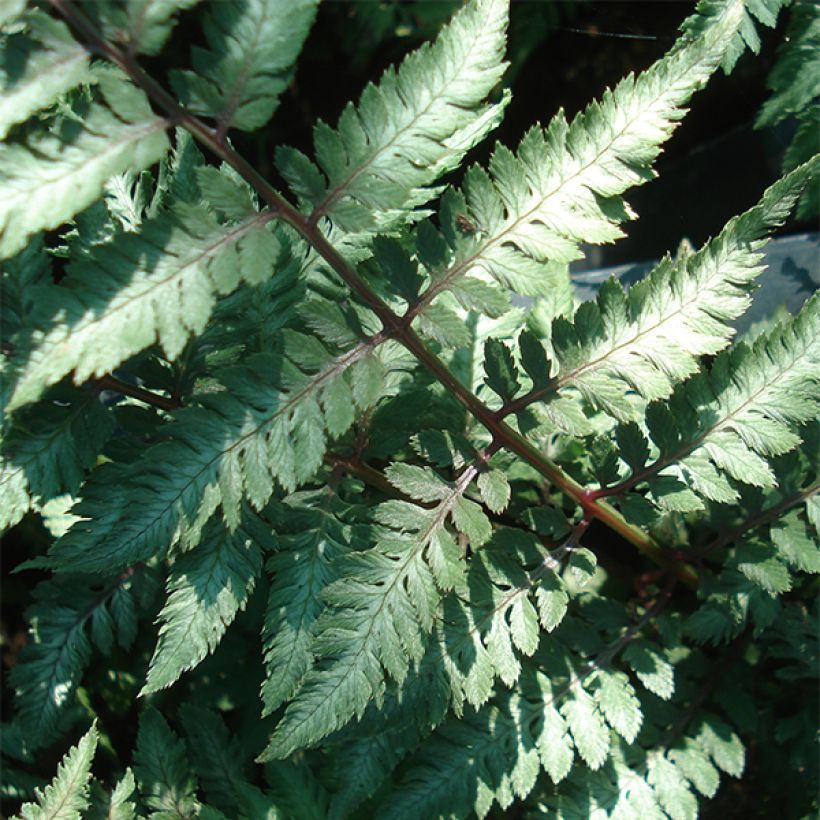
{"x":142,"y":26}
{"x":69,"y":615}
{"x":383,"y":605}
{"x":316,"y":536}
{"x":39,"y":62}
{"x":160,"y":284}
{"x":207,"y":587}
{"x":49,"y":449}
{"x":253,"y":45}
{"x":763,"y":12}
{"x":726,"y":423}
{"x":409,"y":130}
{"x":650,"y":337}
{"x":55,"y":173}
{"x":268,"y":424}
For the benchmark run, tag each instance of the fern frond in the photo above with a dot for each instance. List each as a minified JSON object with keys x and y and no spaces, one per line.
{"x":730,"y":421}
{"x":55,"y":174}
{"x":39,"y":64}
{"x":269,"y":424}
{"x":408,"y":131}
{"x":48,"y":449}
{"x":253,"y":46}
{"x":316,"y":537}
{"x":561,"y":187}
{"x":66,"y":797}
{"x":142,"y":26}
{"x":116,"y":804}
{"x":793,"y":80}
{"x":206,"y":588}
{"x":67,"y":616}
{"x":764,"y":12}
{"x":160,"y":285}
{"x":497,"y":615}
{"x":164,"y":775}
{"x":650,"y":337}
{"x":220,"y":763}
{"x":401,"y":580}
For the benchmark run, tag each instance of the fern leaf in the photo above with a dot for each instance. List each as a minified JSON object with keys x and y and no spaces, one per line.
{"x":400,"y":580}
{"x":220,"y":764}
{"x":561,"y":187}
{"x":66,"y":617}
{"x":66,"y":797}
{"x":764,"y":12}
{"x":54,"y":175}
{"x":253,"y":46}
{"x":408,"y":131}
{"x":206,"y":589}
{"x":652,"y":336}
{"x":117,"y":804}
{"x":40,"y":63}
{"x":236,"y":444}
{"x":793,"y":80}
{"x":160,"y":284}
{"x":162,"y":769}
{"x":744,"y":411}
{"x":302,"y":567}
{"x":48,"y":450}
{"x":143,"y":26}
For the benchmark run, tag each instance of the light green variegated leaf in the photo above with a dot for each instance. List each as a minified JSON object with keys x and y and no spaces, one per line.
{"x":358,"y":645}
{"x":253,"y":45}
{"x":39,"y":64}
{"x":650,"y":337}
{"x":589,"y":732}
{"x":207,"y":587}
{"x":764,"y":12}
{"x":66,"y":797}
{"x":56,"y":174}
{"x":409,"y":130}
{"x":158,"y":285}
{"x":304,"y":564}
{"x":744,"y":411}
{"x":538,"y":205}
{"x":617,"y":701}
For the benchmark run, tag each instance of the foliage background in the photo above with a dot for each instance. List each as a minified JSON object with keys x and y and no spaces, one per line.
{"x":562,"y":54}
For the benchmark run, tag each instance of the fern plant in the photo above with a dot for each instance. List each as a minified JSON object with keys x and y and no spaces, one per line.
{"x":332,"y":517}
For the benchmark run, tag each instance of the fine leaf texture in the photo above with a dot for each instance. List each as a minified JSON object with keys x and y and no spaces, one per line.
{"x":559,"y":188}
{"x":380,"y":611}
{"x":744,"y":411}
{"x":409,"y":130}
{"x":651,"y":337}
{"x":39,"y":64}
{"x":206,"y":588}
{"x":239,"y":442}
{"x":66,"y":797}
{"x":67,"y":616}
{"x":48,"y":451}
{"x":156,"y":286}
{"x":54,"y":174}
{"x":162,"y":769}
{"x":304,"y":564}
{"x":252,"y":47}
